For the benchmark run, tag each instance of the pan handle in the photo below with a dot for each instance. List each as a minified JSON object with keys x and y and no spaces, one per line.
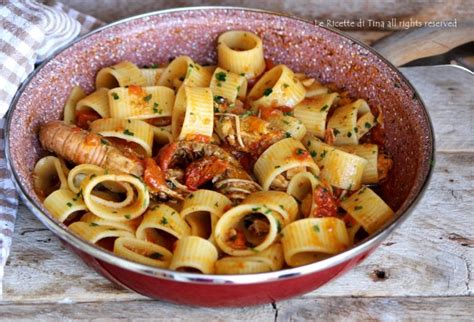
{"x":405,"y":46}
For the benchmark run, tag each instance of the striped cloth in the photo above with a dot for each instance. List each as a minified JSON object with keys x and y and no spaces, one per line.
{"x":29,"y":32}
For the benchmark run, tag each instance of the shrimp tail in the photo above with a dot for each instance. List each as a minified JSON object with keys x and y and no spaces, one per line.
{"x":79,"y":146}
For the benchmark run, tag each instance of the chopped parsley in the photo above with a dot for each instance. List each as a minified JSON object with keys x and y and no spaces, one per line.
{"x":147,"y":98}
{"x":358,"y":207}
{"x":267,"y":92}
{"x":316,"y":228}
{"x":218,"y":99}
{"x":349,"y":134}
{"x":104,"y":142}
{"x":93,"y":224}
{"x":164,"y":221}
{"x":221,"y":76}
{"x":336,"y":131}
{"x":288,"y":134}
{"x":367,"y":125}
{"x":127,"y":216}
{"x":69,"y":204}
{"x":256,"y":209}
{"x":155,"y":255}
{"x":278,"y":226}
{"x":277,"y":166}
{"x":325,"y":107}
{"x":313,"y":153}
{"x":191,"y":196}
{"x":323,"y":154}
{"x":299,"y":151}
{"x":127,"y":132}
{"x":356,"y":129}
{"x":115,"y":96}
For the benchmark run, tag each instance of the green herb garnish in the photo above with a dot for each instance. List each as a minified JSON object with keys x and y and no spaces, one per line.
{"x":267,"y":92}
{"x":221,"y":76}
{"x":127,"y":132}
{"x":155,"y":256}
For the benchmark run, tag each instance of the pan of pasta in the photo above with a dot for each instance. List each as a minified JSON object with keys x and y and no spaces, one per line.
{"x":219,"y":156}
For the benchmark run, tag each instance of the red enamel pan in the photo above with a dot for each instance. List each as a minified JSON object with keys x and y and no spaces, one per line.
{"x":323,"y":53}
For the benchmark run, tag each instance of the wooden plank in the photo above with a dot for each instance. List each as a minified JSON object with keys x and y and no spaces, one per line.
{"x":376,"y":309}
{"x":447,"y":93}
{"x":405,"y":46}
{"x":421,"y":10}
{"x":40,"y":269}
{"x":428,"y":253}
{"x":134,"y":310}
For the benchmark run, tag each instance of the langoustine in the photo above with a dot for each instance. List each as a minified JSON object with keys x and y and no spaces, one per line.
{"x":79,"y":146}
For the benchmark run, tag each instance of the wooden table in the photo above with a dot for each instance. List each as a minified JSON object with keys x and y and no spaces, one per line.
{"x":424,"y":271}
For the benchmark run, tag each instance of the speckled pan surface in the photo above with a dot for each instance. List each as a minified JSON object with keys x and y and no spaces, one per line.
{"x":321,"y":53}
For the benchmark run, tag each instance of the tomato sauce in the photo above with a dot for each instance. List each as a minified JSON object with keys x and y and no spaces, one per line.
{"x":274,"y":111}
{"x":325,"y":203}
{"x":92,"y":139}
{"x":198,"y":138}
{"x":85,"y":117}
{"x":301,"y":154}
{"x":136,"y":90}
{"x":201,"y":171}
{"x":159,"y":121}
